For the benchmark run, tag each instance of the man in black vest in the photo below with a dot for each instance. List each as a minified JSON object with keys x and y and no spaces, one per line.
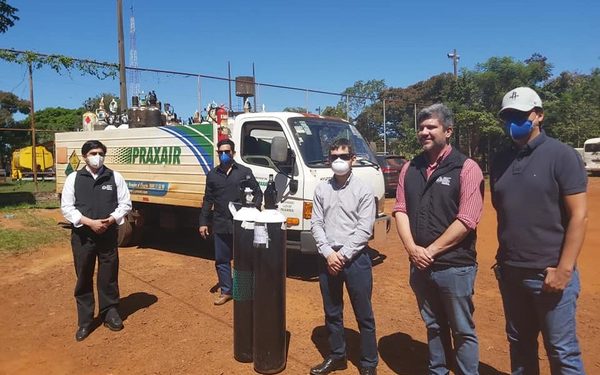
{"x":439,"y":201}
{"x":95,"y":200}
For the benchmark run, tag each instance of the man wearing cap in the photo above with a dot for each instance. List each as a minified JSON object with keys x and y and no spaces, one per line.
{"x":539,"y":192}
{"x":95,"y":200}
{"x":439,"y":200}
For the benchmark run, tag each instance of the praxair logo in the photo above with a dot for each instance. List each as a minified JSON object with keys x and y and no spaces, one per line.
{"x":148,"y":155}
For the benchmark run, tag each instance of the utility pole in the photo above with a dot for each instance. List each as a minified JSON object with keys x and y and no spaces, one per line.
{"x":455,"y":57}
{"x":384,"y":131}
{"x":347,"y":108}
{"x":415,"y":113}
{"x":254,"y":79}
{"x":32,"y":115}
{"x":306,"y":102}
{"x":121,"y":46}
{"x":229,"y":83}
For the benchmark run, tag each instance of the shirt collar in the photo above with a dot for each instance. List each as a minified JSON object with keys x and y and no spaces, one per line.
{"x":443,"y":155}
{"x":95,"y":175}
{"x":335,"y":183}
{"x":233,"y":166}
{"x":533,"y":144}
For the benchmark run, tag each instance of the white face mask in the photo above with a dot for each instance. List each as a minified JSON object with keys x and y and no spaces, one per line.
{"x":95,"y":161}
{"x":340,"y":167}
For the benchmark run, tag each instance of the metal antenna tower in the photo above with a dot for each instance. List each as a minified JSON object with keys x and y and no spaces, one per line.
{"x":134,"y":74}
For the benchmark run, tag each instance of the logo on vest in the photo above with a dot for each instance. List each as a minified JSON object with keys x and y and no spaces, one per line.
{"x":443,"y":180}
{"x":107,"y":187}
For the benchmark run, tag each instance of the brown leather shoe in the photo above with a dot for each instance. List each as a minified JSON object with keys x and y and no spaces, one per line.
{"x":222,"y":299}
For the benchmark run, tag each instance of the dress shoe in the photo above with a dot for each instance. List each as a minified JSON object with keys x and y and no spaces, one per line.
{"x":113,"y":321}
{"x":329,"y":365}
{"x":82,"y":333}
{"x":222,"y":299}
{"x":368,"y":371}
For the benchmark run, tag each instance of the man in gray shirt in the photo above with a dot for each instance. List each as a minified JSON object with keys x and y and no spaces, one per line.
{"x":342,"y":223}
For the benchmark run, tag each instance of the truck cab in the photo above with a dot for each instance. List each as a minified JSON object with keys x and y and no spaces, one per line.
{"x":295,"y":148}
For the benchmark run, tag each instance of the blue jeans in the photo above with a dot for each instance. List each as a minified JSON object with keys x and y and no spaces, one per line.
{"x":223,"y":256}
{"x":445,"y":299}
{"x":529,"y":310}
{"x":358,"y":276}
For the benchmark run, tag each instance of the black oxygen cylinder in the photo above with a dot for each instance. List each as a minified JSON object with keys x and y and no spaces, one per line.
{"x":269,"y":336}
{"x":243,"y":235}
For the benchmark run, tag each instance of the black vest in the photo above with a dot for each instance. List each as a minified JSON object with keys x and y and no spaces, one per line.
{"x":432,"y":205}
{"x":96,"y":199}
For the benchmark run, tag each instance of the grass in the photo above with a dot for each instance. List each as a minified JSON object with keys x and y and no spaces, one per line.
{"x":27,"y":187}
{"x":37,"y":231}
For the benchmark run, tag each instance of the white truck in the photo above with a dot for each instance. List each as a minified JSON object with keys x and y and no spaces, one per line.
{"x":165,"y":167}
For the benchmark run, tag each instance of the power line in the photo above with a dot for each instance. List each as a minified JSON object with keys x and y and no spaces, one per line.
{"x":189,"y":74}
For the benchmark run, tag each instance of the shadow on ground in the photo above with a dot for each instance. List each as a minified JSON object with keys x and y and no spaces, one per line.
{"x":403,"y":355}
{"x":187,"y":241}
{"x":184,"y":241}
{"x":134,"y":302}
{"x":320,"y":338}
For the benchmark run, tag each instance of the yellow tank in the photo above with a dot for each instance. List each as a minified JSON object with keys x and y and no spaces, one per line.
{"x":22,"y":158}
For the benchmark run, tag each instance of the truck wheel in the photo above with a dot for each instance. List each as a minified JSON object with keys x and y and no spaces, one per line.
{"x":125,"y":233}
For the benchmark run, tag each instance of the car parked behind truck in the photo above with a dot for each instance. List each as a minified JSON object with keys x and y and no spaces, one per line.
{"x":591,"y":155}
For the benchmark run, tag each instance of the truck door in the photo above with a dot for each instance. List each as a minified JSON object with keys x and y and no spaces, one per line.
{"x":254,"y":152}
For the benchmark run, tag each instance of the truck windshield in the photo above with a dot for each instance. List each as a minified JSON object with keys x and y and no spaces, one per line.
{"x":314,"y":135}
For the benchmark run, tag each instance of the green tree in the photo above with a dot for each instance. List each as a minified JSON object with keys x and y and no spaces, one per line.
{"x":360,"y":95}
{"x":295,"y":109}
{"x":572,"y":112}
{"x":55,"y":120}
{"x":7,"y":16}
{"x":498,"y":75}
{"x":338,"y":111}
{"x":10,"y":104}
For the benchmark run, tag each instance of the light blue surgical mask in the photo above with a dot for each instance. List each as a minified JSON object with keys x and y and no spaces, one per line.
{"x":518,"y":128}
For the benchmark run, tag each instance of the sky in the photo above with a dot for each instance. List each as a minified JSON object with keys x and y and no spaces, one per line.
{"x":323,"y":45}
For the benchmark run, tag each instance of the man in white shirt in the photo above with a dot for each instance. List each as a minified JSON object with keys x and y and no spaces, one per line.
{"x":95,"y":200}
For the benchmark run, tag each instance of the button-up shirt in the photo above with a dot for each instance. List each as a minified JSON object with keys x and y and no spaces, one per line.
{"x":72,"y":214}
{"x":343,"y":216}
{"x":470,"y":205}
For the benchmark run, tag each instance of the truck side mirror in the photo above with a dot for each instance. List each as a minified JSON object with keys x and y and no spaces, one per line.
{"x":279,"y":154}
{"x":293,"y":186}
{"x":279,"y":149}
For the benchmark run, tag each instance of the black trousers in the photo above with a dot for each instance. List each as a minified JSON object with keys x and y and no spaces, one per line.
{"x":87,"y":246}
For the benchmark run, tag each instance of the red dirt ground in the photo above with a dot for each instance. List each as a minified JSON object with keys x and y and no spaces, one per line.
{"x":172,"y":327}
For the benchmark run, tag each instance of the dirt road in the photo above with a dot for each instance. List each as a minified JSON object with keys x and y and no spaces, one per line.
{"x":172,"y":326}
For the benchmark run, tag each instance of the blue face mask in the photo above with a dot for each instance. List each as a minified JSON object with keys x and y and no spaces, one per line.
{"x":518,"y":128}
{"x":225,"y":158}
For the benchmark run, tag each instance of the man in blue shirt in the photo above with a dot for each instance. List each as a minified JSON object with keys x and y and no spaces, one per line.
{"x":539,"y":192}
